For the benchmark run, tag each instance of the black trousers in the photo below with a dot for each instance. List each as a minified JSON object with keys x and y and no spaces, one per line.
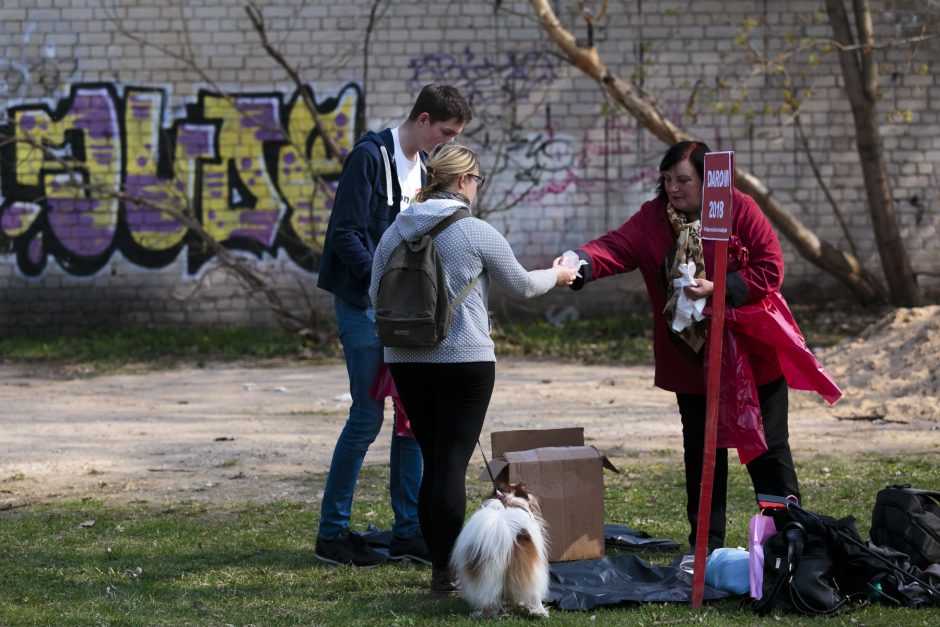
{"x":446,"y":404}
{"x":771,"y":472}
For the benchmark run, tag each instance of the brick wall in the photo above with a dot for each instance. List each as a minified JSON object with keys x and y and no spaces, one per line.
{"x":132,"y":94}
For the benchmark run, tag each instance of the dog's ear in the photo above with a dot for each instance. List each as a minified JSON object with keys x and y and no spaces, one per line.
{"x":521,"y":491}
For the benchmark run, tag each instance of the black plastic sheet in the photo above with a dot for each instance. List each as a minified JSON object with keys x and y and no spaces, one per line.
{"x":586,"y":584}
{"x":615,"y":536}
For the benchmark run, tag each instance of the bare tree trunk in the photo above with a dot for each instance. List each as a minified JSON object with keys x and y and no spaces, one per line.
{"x":367,"y":37}
{"x":840,"y":264}
{"x":860,"y":72}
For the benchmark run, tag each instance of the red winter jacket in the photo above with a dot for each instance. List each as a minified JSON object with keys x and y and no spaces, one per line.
{"x":643,"y":242}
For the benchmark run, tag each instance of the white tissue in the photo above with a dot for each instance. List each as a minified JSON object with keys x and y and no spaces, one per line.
{"x":687,"y":309}
{"x":570,"y":259}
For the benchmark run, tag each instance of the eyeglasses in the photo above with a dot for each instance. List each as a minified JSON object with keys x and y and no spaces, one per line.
{"x":481,"y":180}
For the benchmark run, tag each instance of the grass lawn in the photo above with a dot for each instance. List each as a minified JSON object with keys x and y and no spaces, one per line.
{"x":139,"y":563}
{"x":187,"y":563}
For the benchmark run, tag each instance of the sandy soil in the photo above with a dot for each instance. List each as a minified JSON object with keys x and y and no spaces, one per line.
{"x":227,"y":433}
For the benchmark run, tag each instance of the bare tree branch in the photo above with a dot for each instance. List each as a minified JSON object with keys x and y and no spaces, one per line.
{"x":189,"y":60}
{"x":804,"y":142}
{"x":257,"y":20}
{"x":361,"y":114}
{"x":844,"y":266}
{"x":860,"y":74}
{"x":891,"y":43}
{"x":866,"y":35}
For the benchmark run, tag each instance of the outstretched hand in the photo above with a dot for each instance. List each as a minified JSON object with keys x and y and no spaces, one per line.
{"x":563,"y":274}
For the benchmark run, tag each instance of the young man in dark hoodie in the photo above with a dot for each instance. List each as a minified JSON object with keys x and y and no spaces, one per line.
{"x":380,"y":178}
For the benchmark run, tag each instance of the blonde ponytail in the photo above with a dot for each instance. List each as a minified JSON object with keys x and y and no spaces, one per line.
{"x":446,"y":163}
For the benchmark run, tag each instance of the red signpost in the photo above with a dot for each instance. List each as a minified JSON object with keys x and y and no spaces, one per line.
{"x":716,"y":225}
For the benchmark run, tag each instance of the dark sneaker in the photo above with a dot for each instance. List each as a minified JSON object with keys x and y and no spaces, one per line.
{"x":348,"y":547}
{"x":413,"y":548}
{"x":442,"y":583}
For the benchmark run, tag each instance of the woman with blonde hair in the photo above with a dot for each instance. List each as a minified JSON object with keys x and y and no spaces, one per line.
{"x":446,"y":388}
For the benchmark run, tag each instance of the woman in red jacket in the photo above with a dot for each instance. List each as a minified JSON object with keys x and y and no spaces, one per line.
{"x":663,"y":242}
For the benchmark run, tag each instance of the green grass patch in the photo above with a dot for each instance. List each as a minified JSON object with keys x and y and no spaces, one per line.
{"x":629,"y":339}
{"x":625,"y":340}
{"x":622,"y":340}
{"x":190,"y":563}
{"x":105,"y":350}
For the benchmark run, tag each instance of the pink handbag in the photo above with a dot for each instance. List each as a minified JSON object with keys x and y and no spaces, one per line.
{"x":759,"y":528}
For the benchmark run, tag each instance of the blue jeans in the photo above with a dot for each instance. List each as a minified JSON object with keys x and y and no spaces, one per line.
{"x":363,"y":356}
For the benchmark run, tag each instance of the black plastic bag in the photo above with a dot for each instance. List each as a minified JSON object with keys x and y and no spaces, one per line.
{"x":586,"y":584}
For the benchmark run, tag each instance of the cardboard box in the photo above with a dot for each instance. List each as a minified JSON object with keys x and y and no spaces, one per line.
{"x":566,"y":476}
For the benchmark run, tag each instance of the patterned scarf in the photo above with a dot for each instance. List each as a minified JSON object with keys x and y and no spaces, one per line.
{"x":445,"y":195}
{"x":688,"y":229}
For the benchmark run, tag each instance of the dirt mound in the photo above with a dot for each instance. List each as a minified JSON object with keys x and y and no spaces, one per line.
{"x":890,"y":372}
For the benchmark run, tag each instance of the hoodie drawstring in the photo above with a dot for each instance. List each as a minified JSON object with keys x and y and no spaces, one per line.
{"x":388,"y":175}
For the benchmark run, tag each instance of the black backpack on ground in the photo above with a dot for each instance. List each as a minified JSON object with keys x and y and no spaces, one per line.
{"x":412,"y":307}
{"x":908,"y":520}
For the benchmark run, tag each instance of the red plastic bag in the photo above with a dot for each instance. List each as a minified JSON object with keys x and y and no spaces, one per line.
{"x":770,"y":321}
{"x":740,"y":425}
{"x":384,"y":385}
{"x":766,"y":323}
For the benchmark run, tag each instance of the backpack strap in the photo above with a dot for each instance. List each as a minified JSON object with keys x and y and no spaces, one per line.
{"x":929,"y":494}
{"x":459,"y":214}
{"x":464,"y":293}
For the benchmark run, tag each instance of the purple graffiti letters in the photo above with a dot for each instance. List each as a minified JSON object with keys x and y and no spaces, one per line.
{"x":111,"y":177}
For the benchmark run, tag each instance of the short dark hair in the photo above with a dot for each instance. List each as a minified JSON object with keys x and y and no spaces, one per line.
{"x":441,"y":103}
{"x":694,"y":151}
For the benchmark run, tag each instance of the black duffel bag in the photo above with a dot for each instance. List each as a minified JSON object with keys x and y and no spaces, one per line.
{"x":908,"y":520}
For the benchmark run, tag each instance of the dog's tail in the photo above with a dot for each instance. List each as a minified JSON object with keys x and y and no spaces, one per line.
{"x":486,"y":553}
{"x":527,"y":573}
{"x":482,"y":553}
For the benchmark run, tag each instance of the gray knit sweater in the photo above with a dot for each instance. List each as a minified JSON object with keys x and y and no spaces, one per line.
{"x":467,"y":248}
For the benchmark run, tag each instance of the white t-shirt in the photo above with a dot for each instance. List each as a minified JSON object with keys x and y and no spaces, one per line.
{"x":409,"y":173}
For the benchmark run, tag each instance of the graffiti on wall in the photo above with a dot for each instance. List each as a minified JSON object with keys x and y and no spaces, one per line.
{"x":114,"y":174}
{"x":532,"y":163}
{"x":486,"y":80}
{"x":31,"y":66}
{"x":109,"y":169}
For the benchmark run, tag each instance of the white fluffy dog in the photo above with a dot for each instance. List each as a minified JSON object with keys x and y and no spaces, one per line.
{"x":501,"y":555}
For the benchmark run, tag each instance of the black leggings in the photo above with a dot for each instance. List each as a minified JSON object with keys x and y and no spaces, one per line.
{"x":771,"y":472}
{"x":446,"y":404}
